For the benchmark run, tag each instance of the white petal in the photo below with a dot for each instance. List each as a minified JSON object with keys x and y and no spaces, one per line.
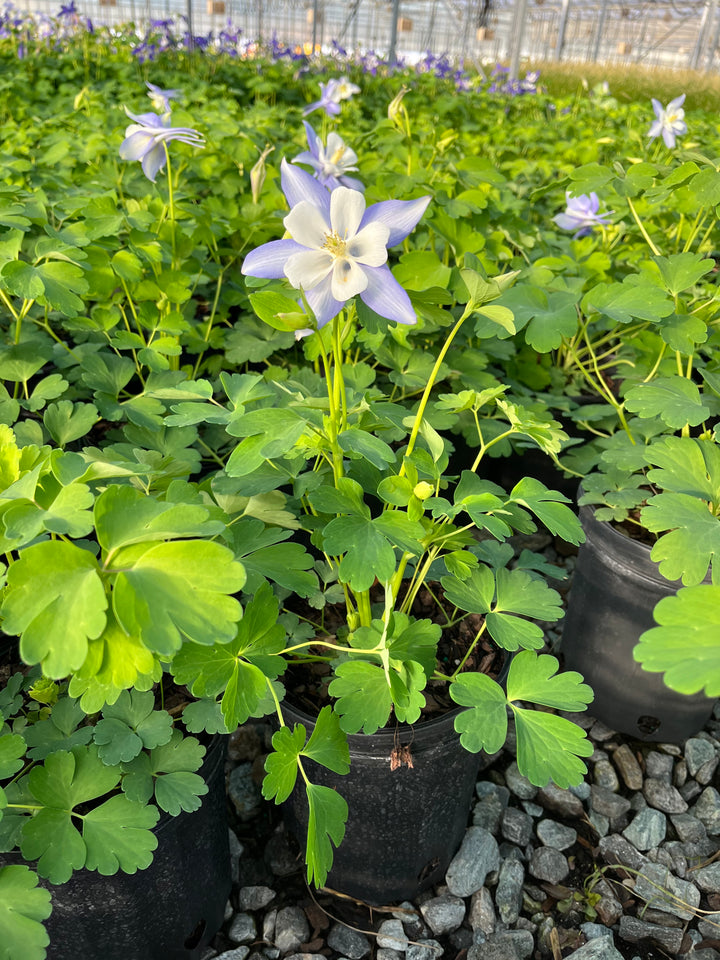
{"x":348,"y":279}
{"x":306,"y":224}
{"x":346,"y":211}
{"x":369,"y":246}
{"x":308,"y":268}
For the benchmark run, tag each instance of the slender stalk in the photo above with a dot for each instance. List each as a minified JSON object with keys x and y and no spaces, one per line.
{"x":641,"y":225}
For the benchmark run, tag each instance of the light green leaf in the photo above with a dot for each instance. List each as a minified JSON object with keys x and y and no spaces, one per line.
{"x":328,"y":745}
{"x":167,"y":592}
{"x":281,"y":767}
{"x":66,"y":421}
{"x":681,"y":271}
{"x":56,"y":622}
{"x":474,"y":594}
{"x":326,"y":825}
{"x":549,"y":748}
{"x":23,"y":907}
{"x":692,"y":544}
{"x":684,"y":646}
{"x":118,"y":836}
{"x":535,"y":679}
{"x":12,"y":749}
{"x":675,"y":400}
{"x":363,"y":696}
{"x":365,"y":552}
{"x":359,"y":444}
{"x":686,"y":465}
{"x":484,"y":726}
{"x":59,"y":731}
{"x":634,"y":298}
{"x":550,"y":508}
{"x":204,"y":716}
{"x":129,"y":725}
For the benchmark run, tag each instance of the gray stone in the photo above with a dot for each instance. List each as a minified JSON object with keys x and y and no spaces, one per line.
{"x":348,"y":943}
{"x":533,"y":810}
{"x":392,"y":936}
{"x":291,"y":929}
{"x":560,"y":801}
{"x":488,"y":813}
{"x":591,"y":931}
{"x":239,"y":953}
{"x":600,"y":733}
{"x":280,"y":855}
{"x":555,"y":835}
{"x":517,"y":826}
{"x":413,"y":924}
{"x":255,"y":898}
{"x":522,"y":940}
{"x":599,"y":823}
{"x":306,"y":956}
{"x":647,"y":830}
{"x":478,"y":855}
{"x":659,"y":766}
{"x":607,"y":803}
{"x":509,"y":890}
{"x":385,"y":953}
{"x":628,"y":767}
{"x":689,"y":828}
{"x":244,"y":792}
{"x":635,"y":930}
{"x":462,"y":938}
{"x":599,"y":948}
{"x":581,"y":790}
{"x":548,"y":864}
{"x":697,"y":752}
{"x":690,"y":790}
{"x":482,"y":913}
{"x":518,"y":784}
{"x":616,"y":849}
{"x":268,"y":927}
{"x":707,"y":809}
{"x":708,"y":878}
{"x":709,"y":926}
{"x":680,"y":774}
{"x":424,"y":950}
{"x":605,"y":776}
{"x":493,"y":950}
{"x":707,"y":771}
{"x":443,"y":914}
{"x":243,"y":929}
{"x":486,"y":788}
{"x":663,"y":796}
{"x":609,"y":910}
{"x":664,"y":919}
{"x":705,"y":953}
{"x":663,"y":891}
{"x":672,"y":854}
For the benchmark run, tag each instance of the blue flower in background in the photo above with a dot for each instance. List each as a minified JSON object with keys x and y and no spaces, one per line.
{"x":581,"y":215}
{"x":669,"y":121}
{"x":331,"y":162}
{"x":332,"y":94}
{"x":146,"y":138}
{"x":160,"y":99}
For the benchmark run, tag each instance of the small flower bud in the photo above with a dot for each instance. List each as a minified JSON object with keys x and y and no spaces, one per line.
{"x":257,"y":174}
{"x":423,"y":490}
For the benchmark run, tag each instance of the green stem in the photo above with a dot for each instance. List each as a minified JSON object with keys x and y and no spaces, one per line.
{"x":171,"y":203}
{"x":641,"y":225}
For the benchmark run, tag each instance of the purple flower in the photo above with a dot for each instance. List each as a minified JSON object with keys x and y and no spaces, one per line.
{"x":581,"y":214}
{"x":146,"y":138}
{"x":332,"y":94}
{"x":331,"y":163}
{"x":669,"y":121}
{"x":160,"y":99}
{"x":338,"y":248}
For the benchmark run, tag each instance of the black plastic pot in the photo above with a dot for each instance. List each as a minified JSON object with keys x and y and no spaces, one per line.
{"x":615,"y":588}
{"x":404,"y":825}
{"x":170,"y":911}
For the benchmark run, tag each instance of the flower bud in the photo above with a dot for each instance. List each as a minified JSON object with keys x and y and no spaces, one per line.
{"x":257,"y":174}
{"x":423,"y":490}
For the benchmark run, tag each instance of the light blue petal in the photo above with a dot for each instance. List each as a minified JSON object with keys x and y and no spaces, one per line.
{"x":385,"y":296}
{"x":268,"y":261}
{"x":669,"y":138}
{"x":676,"y":103}
{"x":352,"y":184}
{"x":655,"y":130}
{"x":657,"y":107}
{"x":153,"y":162}
{"x":136,"y":145}
{"x":323,"y":303}
{"x":297,"y":185}
{"x":313,"y":140}
{"x":399,"y":216}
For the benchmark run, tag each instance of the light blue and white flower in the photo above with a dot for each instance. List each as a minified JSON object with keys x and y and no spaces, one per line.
{"x":146,"y":138}
{"x":332,"y":94}
{"x":581,"y":214}
{"x":331,"y":162}
{"x":669,"y":121}
{"x":337,"y":248}
{"x":160,"y":99}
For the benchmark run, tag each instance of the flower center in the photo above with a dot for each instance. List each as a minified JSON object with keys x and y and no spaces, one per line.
{"x":335,"y":245}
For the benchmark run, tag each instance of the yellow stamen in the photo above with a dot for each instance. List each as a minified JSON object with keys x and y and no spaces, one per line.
{"x":335,"y":245}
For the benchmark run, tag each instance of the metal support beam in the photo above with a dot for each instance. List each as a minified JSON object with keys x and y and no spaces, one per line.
{"x":712,"y":18}
{"x":702,"y":30}
{"x":600,"y":30}
{"x":392,"y":57}
{"x":562,"y":27}
{"x":517,"y":38}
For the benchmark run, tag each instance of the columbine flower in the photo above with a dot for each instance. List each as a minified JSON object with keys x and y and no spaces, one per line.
{"x":331,"y":163}
{"x":581,"y":214}
{"x":145,"y":139}
{"x":160,"y":99}
{"x":338,"y":248}
{"x":669,"y":122}
{"x":332,"y":94}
